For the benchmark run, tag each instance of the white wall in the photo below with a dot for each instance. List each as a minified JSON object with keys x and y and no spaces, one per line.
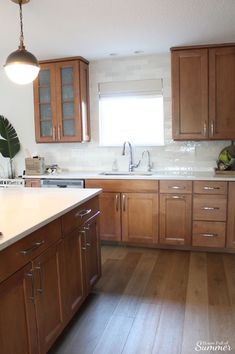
{"x":16,"y":103}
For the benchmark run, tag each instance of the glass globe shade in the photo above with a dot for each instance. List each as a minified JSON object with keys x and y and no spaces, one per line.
{"x":22,"y":73}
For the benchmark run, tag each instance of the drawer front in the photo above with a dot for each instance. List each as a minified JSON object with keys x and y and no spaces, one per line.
{"x":209,"y":187}
{"x":79,"y":215}
{"x":210,"y":207}
{"x":209,"y":234}
{"x":23,"y":251}
{"x":175,"y":186}
{"x":122,"y":185}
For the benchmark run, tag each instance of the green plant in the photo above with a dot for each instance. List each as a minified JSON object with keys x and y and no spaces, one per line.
{"x":9,"y":141}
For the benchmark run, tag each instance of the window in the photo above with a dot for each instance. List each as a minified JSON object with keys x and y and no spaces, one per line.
{"x":133,"y":111}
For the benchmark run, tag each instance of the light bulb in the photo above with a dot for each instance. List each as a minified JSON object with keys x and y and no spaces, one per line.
{"x":21,"y":73}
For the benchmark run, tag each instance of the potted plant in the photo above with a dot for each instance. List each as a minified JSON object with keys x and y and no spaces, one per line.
{"x":9,"y":143}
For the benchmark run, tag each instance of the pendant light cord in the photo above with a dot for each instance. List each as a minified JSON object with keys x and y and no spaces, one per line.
{"x":21,"y":46}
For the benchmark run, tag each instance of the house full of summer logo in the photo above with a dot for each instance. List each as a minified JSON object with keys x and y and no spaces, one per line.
{"x":218,"y":346}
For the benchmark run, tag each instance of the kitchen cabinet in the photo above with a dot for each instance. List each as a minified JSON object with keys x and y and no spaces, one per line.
{"x":175,"y":212}
{"x":61,"y":101}
{"x":45,"y":277}
{"x":91,"y":252}
{"x":48,"y":301}
{"x":17,"y":315}
{"x":231,"y":216}
{"x":81,"y":258}
{"x":203,"y":88}
{"x":209,"y":214}
{"x":129,"y":210}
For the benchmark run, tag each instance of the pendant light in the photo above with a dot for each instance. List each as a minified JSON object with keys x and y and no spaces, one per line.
{"x":21,"y":66}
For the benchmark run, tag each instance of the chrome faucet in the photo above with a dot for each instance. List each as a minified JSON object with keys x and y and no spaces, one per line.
{"x":150,"y":165}
{"x":131,"y":164}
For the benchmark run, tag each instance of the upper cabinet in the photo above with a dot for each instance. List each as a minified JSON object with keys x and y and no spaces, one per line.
{"x":61,"y":101}
{"x":203,"y":91}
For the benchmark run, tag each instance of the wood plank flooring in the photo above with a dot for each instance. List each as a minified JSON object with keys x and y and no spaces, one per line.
{"x":158,"y":302}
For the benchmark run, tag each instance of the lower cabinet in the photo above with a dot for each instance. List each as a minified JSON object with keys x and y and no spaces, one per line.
{"x":48,"y":300}
{"x":175,"y":219}
{"x":37,"y":301}
{"x":91,"y":252}
{"x":18,"y":334}
{"x":231,"y":216}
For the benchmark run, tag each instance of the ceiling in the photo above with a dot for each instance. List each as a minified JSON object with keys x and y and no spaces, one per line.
{"x":96,"y":28}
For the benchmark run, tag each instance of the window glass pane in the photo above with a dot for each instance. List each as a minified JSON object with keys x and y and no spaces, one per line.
{"x":138,"y":119}
{"x":68,"y":127}
{"x":68,"y":110}
{"x":45,"y":94}
{"x":44,"y":77}
{"x":46,"y":128}
{"x":67,"y":93}
{"x":67,"y":76}
{"x":45,"y":111}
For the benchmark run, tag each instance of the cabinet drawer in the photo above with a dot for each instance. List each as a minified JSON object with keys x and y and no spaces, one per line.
{"x":22,"y":252}
{"x":122,"y":185}
{"x":210,"y":207}
{"x":209,"y":187}
{"x":209,"y":234}
{"x":175,"y":186}
{"x":79,"y":215}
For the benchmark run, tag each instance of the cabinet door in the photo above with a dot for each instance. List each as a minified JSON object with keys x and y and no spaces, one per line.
{"x":45,"y":105}
{"x":91,"y":252}
{"x":140,"y":217}
{"x":84,"y":94}
{"x":72,"y":274}
{"x":17,"y":315}
{"x":68,"y":102}
{"x":231,"y":216}
{"x":222,"y":92}
{"x":48,"y":302}
{"x":175,"y":219}
{"x":110,"y":217}
{"x":190,"y":94}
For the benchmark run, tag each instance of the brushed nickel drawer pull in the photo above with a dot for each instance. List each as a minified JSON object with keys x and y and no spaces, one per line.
{"x":31,"y":249}
{"x":210,"y":208}
{"x":209,"y":235}
{"x":83,"y":239}
{"x":88,"y":244}
{"x":124,"y":202}
{"x":212,"y":128}
{"x":53,"y":133}
{"x":31,"y":276}
{"x":176,"y":187}
{"x":177,"y":197}
{"x":82,"y":213}
{"x":204,"y":128}
{"x":40,"y":289}
{"x":210,"y":188}
{"x":117,"y":202}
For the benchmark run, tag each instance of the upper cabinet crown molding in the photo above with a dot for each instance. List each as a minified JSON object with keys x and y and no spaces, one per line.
{"x":203,"y":91}
{"x":61,"y":101}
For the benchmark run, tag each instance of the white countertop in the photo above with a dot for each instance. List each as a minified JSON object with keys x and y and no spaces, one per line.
{"x":24,"y":210}
{"x":155,"y":175}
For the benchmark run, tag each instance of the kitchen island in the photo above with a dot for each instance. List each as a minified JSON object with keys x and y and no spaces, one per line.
{"x":49,"y":262}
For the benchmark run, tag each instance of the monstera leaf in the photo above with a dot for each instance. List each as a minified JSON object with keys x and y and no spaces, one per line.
{"x":9,"y":142}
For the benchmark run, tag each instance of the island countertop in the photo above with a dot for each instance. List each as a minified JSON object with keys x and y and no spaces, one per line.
{"x":24,"y":210}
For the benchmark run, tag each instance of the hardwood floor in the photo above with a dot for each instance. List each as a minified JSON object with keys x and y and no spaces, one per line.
{"x":156,"y":301}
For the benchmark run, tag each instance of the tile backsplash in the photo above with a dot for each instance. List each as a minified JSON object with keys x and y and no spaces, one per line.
{"x":90,"y":156}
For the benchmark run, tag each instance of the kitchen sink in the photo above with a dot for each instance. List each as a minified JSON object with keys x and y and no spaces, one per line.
{"x":126,"y":173}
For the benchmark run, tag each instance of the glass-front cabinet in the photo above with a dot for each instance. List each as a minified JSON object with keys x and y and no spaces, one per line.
{"x":61,"y":101}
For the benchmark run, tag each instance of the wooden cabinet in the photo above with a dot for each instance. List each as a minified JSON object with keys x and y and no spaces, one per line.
{"x":203,"y":88}
{"x":17,"y":315}
{"x":175,"y":212}
{"x":209,"y":214}
{"x":61,"y":101}
{"x":91,"y":252}
{"x":73,"y":291}
{"x":231,"y":216}
{"x":45,"y":277}
{"x":81,"y":258}
{"x":48,"y":301}
{"x":129,"y":210}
